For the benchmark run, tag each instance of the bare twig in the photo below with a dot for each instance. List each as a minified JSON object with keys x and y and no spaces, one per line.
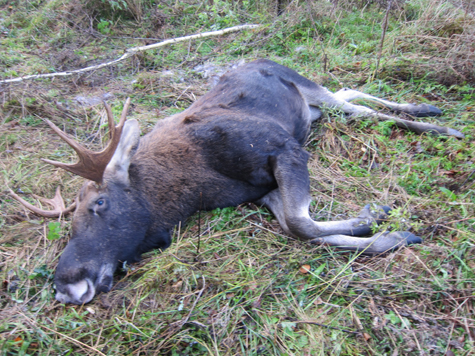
{"x":131,"y":52}
{"x":383,"y":35}
{"x":324,"y":54}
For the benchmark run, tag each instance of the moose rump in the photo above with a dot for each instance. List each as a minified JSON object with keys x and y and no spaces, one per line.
{"x":241,"y":142}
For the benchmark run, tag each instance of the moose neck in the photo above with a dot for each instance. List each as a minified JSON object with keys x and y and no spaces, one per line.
{"x":159,"y":172}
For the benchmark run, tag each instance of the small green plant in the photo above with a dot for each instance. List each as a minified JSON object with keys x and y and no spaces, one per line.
{"x":400,"y":219}
{"x":450,"y":195}
{"x":41,"y":272}
{"x":31,"y":121}
{"x":225,"y":218}
{"x":104,"y":27}
{"x":385,"y":127}
{"x":54,"y":230}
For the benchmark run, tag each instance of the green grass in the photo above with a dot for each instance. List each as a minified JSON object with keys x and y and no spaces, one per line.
{"x":238,"y":289}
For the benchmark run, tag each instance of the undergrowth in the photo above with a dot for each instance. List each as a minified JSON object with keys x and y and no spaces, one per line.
{"x":232,"y":283}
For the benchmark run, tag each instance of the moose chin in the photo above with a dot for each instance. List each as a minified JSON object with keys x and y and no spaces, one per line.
{"x":241,"y":142}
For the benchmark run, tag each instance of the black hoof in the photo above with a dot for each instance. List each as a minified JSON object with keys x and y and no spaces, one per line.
{"x":383,"y":213}
{"x":424,"y":110}
{"x":386,"y":209}
{"x":410,"y":238}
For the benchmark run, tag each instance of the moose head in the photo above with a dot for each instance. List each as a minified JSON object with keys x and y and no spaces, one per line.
{"x":111,"y":216}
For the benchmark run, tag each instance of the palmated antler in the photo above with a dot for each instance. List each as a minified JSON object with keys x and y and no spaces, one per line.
{"x":57,"y":203}
{"x":92,"y":164}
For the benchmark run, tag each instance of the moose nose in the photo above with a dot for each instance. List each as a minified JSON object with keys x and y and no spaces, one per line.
{"x":78,"y":293}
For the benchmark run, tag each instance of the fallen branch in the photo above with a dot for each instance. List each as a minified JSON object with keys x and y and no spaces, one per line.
{"x":131,"y":52}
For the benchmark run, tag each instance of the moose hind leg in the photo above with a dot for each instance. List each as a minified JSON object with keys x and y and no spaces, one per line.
{"x":420,"y":110}
{"x":290,"y":203}
{"x":317,"y":96}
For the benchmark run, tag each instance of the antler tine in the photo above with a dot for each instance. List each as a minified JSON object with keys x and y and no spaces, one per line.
{"x":59,"y":209}
{"x":110,"y":117}
{"x":92,"y":164}
{"x":124,"y":112}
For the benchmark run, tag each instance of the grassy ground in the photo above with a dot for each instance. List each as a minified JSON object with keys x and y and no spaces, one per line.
{"x":248,"y":289}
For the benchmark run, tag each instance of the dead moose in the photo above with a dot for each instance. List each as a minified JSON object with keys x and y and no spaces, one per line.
{"x":241,"y":142}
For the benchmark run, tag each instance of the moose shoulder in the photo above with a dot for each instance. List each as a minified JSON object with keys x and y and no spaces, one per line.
{"x":241,"y":142}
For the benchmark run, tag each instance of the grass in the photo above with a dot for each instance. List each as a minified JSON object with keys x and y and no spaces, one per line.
{"x":238,"y":288}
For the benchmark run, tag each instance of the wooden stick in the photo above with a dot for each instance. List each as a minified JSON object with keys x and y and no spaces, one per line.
{"x":383,"y":35}
{"x":131,"y":52}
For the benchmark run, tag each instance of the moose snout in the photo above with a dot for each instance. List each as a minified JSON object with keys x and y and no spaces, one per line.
{"x":76,"y":293}
{"x":81,"y":290}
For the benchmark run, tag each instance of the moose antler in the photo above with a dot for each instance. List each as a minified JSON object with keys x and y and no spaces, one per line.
{"x":57,"y":203}
{"x":92,"y":164}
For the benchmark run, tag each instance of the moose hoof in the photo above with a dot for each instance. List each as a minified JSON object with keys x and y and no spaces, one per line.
{"x":424,"y":110}
{"x":388,"y":241}
{"x":455,"y":133}
{"x":410,"y":238}
{"x":378,"y":213}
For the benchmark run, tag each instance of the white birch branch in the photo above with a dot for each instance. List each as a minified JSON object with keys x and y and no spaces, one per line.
{"x":132,"y":51}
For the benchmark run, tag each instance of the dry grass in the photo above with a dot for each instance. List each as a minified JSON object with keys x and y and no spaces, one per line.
{"x":242,"y":293}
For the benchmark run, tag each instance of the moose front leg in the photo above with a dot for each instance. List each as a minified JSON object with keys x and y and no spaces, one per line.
{"x":290,"y":204}
{"x":376,"y":244}
{"x":341,"y":234}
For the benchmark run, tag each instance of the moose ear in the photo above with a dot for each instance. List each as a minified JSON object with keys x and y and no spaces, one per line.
{"x":118,"y":167}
